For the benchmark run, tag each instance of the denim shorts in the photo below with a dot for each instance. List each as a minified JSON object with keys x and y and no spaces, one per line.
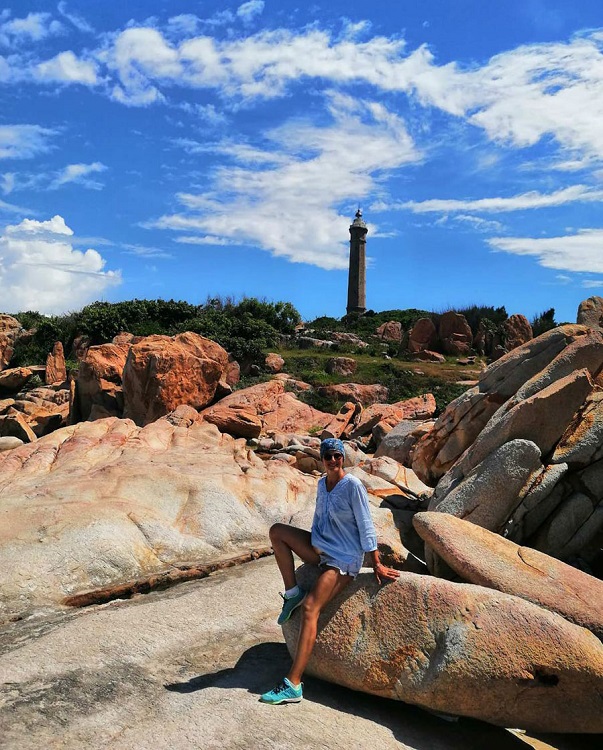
{"x":345,"y":568}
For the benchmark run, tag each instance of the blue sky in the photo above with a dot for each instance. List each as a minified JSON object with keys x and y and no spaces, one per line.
{"x":183,"y":149}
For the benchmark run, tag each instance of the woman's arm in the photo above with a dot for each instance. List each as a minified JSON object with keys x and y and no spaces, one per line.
{"x":382,"y":572}
{"x":368,"y":535}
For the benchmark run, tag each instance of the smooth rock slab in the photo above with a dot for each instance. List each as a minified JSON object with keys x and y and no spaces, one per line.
{"x":484,"y":558}
{"x":461,"y":649}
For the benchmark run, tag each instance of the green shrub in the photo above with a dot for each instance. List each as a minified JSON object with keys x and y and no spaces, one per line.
{"x":543,"y":322}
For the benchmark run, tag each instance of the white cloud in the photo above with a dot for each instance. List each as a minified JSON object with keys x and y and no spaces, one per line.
{"x":186,"y":23}
{"x":8,"y":182}
{"x":481,"y":225}
{"x":41,"y":270}
{"x":519,"y":97}
{"x":146,"y":252}
{"x":522,"y":202}
{"x":79,"y":173}
{"x":248,"y":11}
{"x":140,"y":55}
{"x":67,"y":68}
{"x":78,"y":21}
{"x":34,"y":27}
{"x":592,"y":283}
{"x":303,"y":179}
{"x":23,"y":141}
{"x":576,"y":252}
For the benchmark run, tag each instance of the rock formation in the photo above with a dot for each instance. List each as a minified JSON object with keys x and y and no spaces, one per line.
{"x":459,"y":648}
{"x":163,"y":372}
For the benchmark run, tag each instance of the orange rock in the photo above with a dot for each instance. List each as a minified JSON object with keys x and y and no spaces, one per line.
{"x":340,"y":422}
{"x":517,"y":330}
{"x":235,"y":421}
{"x":344,"y":366}
{"x":461,"y":649}
{"x":423,"y":335}
{"x":162,"y":372}
{"x":233,"y":372}
{"x":390,"y":331}
{"x":482,"y":557}
{"x":274,"y":362}
{"x":56,"y":372}
{"x":360,"y":394}
{"x":276,"y":409}
{"x":99,"y":380}
{"x":419,"y":407}
{"x":14,"y":424}
{"x":15,"y":378}
{"x":455,"y":333}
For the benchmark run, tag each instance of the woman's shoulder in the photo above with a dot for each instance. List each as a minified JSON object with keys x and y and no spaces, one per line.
{"x":350,"y":479}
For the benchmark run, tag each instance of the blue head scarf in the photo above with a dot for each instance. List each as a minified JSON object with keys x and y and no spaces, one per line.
{"x":331,"y":444}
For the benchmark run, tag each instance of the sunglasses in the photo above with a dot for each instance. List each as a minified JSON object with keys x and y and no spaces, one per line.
{"x":332,"y":456}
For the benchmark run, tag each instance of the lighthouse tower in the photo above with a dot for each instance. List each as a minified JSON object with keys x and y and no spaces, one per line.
{"x":357,"y":273}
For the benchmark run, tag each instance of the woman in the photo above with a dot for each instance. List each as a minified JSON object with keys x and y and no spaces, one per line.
{"x":342,"y":531}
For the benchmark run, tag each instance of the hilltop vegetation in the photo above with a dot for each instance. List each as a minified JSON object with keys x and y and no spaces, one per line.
{"x":246,"y":328}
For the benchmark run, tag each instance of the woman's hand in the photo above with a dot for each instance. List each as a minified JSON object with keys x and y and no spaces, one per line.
{"x":383,"y":573}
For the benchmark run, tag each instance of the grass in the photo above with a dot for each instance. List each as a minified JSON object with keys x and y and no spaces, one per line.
{"x":403,"y":378}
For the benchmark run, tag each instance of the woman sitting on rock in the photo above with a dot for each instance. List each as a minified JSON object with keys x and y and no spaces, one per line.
{"x":342,"y":531}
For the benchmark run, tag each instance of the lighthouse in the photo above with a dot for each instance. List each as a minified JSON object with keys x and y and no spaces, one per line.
{"x":357,"y":272}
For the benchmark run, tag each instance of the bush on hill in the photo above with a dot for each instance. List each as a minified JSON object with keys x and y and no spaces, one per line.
{"x":243,"y":328}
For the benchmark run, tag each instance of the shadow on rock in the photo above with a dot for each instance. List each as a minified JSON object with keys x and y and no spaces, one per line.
{"x":263,"y":665}
{"x":266,"y":662}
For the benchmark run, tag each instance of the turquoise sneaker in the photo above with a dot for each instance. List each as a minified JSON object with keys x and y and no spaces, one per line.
{"x":290,"y":604}
{"x":284,"y":692}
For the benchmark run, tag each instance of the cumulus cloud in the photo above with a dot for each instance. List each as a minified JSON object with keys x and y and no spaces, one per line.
{"x":24,"y":141}
{"x":573,"y":252}
{"x":522,"y":202}
{"x":67,"y":68}
{"x":303,"y":179}
{"x":33,"y":28}
{"x":41,"y":270}
{"x":79,"y":173}
{"x":518,"y":97}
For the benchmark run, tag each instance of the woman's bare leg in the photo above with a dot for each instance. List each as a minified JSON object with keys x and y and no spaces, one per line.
{"x":285,"y":541}
{"x":329,"y":584}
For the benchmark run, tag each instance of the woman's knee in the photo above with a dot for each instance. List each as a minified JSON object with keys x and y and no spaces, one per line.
{"x":276,"y":530}
{"x":310,"y":607}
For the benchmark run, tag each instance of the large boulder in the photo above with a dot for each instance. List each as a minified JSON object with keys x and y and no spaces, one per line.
{"x":344,"y":366}
{"x":10,"y":330}
{"x":460,"y":649}
{"x":14,"y":378}
{"x":390,"y":331}
{"x":163,"y":372}
{"x":422,"y":336}
{"x":520,"y":373}
{"x":454,"y":333}
{"x":99,"y":381}
{"x":590,"y":312}
{"x":517,"y":331}
{"x":359,"y":394}
{"x":419,"y":407}
{"x":99,"y":504}
{"x":270,"y":405}
{"x":103,"y":502}
{"x":484,"y":558}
